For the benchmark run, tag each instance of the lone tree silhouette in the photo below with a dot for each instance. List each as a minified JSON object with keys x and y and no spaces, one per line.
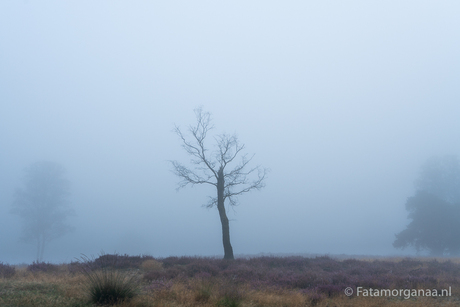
{"x":43,"y":204}
{"x":212,"y":167}
{"x":434,"y":209}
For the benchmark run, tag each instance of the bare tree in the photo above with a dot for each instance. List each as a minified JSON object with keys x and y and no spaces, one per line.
{"x":211,"y":167}
{"x":43,"y":204}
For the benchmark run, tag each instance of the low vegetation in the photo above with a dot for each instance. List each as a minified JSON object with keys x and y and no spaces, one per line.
{"x":263,"y":281}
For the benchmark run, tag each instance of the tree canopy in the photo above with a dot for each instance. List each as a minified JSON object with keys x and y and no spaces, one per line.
{"x":43,"y":204}
{"x":434,"y":210}
{"x":440,"y":176}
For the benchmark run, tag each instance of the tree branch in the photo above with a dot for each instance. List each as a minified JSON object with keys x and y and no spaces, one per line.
{"x":228,"y":148}
{"x":188,"y":176}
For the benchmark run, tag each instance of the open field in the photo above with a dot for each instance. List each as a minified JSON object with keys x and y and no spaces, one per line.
{"x":261,"y":281}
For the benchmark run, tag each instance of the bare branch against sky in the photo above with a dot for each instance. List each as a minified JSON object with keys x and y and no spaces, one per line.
{"x":210,"y":167}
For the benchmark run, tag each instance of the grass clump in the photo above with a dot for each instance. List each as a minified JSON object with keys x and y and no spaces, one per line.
{"x":108,"y":285}
{"x":230,"y":295}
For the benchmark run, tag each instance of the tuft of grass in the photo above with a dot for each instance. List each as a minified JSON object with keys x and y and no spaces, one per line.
{"x":106,"y":284}
{"x":203,"y":290}
{"x":230,"y":295}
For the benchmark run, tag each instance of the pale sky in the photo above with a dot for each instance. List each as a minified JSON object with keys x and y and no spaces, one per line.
{"x":343,"y":101}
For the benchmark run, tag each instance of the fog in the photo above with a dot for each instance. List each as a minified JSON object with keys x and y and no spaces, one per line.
{"x":343,"y":102}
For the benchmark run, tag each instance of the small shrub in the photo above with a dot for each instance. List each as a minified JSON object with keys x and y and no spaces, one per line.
{"x":152,"y":265}
{"x":36,"y":267}
{"x":6,"y":270}
{"x":106,"y":284}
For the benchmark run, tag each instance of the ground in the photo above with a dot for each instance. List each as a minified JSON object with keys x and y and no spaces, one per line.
{"x":244,"y":282}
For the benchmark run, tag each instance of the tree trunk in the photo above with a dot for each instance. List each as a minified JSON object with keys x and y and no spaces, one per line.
{"x":228,"y":250}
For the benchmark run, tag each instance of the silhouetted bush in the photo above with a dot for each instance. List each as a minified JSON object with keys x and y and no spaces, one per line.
{"x":42,"y":267}
{"x":6,"y":270}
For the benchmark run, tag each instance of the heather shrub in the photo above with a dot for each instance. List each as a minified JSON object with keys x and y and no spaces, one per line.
{"x":6,"y":270}
{"x":351,"y":263}
{"x":373,"y":281}
{"x":435,"y":267}
{"x":214,"y":280}
{"x":413,"y":282}
{"x":409,"y":263}
{"x":304,"y":280}
{"x":122,"y":261}
{"x":379,"y":267}
{"x":161,"y":289}
{"x":425,"y":281}
{"x":224,"y":264}
{"x":160,"y":284}
{"x":357,"y":271}
{"x":107,"y":284}
{"x":75,"y":267}
{"x":326,"y":263}
{"x":202,"y":265}
{"x":170,"y":273}
{"x":240,"y":272}
{"x":338,"y":278}
{"x":269,"y":261}
{"x":36,"y":267}
{"x":151,"y":265}
{"x":174,"y":261}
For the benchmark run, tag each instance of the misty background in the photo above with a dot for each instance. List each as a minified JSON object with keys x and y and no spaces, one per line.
{"x":343,"y":101}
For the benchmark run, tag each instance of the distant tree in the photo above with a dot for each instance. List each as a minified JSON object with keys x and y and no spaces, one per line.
{"x":43,"y":204}
{"x":434,"y":210}
{"x":440,"y":176}
{"x":211,"y":167}
{"x":435,"y":225}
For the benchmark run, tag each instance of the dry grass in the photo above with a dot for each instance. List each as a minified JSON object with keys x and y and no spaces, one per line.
{"x":64,"y":287}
